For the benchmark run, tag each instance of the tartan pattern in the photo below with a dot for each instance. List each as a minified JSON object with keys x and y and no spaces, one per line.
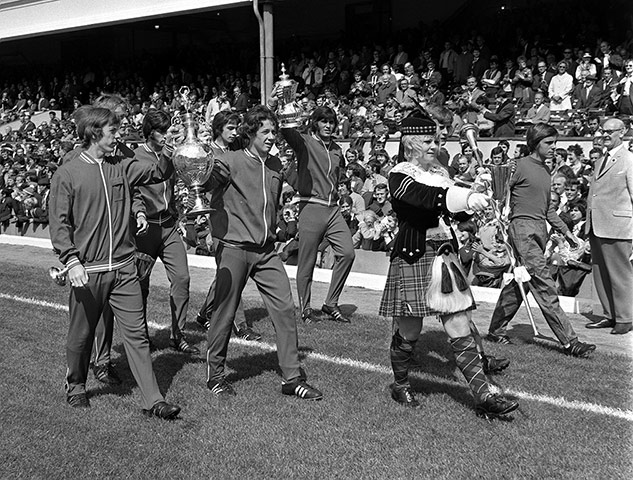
{"x":405,"y":290}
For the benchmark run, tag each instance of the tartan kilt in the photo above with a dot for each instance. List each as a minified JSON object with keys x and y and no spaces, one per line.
{"x":405,"y":290}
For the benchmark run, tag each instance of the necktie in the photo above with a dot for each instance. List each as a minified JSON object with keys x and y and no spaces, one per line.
{"x":311,"y":77}
{"x":604,"y":164}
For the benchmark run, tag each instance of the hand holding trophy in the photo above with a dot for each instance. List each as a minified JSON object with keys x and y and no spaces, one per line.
{"x":191,"y":161}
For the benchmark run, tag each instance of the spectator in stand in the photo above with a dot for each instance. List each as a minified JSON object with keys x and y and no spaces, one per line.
{"x":345,"y":189}
{"x":386,"y":85}
{"x":503,"y":116}
{"x":560,"y":89}
{"x":373,"y":178}
{"x":448,"y":61}
{"x":360,"y":87}
{"x":593,"y":127}
{"x":585,"y":68}
{"x":217,"y":104}
{"x":412,"y":77}
{"x":574,"y":159}
{"x":241,"y":103}
{"x":406,"y":98}
{"x":538,"y":112}
{"x":587,"y":95}
{"x":433,"y":96}
{"x":625,"y":89}
{"x":462,"y":65}
{"x":431,"y":74}
{"x":522,"y":84}
{"x":379,"y":202}
{"x":313,"y":79}
{"x":578,"y":129}
{"x":490,"y":262}
{"x":468,"y":100}
{"x":369,"y":234}
{"x":491,"y":78}
{"x":347,"y":210}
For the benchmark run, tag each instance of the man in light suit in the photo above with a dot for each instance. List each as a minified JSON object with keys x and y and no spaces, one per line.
{"x":539,"y":112}
{"x":610,"y":228}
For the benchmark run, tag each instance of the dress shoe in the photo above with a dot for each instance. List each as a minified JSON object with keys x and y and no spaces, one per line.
{"x":335,"y":313}
{"x":604,"y":323}
{"x":163,"y":410}
{"x":622,"y":328}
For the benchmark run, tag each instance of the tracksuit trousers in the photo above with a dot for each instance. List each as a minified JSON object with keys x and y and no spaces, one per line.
{"x":121,"y":290}
{"x":234,"y":267}
{"x":318,"y":222}
{"x":529,"y":238}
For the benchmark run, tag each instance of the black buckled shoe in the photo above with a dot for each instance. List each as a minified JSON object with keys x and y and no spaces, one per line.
{"x":183,"y":346}
{"x":579,"y":349}
{"x":404,"y":395}
{"x":163,"y":410}
{"x":248,"y":334}
{"x":221,"y":388}
{"x":494,"y":405}
{"x":493,"y":364}
{"x":310,"y":315}
{"x":621,"y":328}
{"x":106,"y":374}
{"x":335,"y":313}
{"x":301,"y":389}
{"x":78,"y":401}
{"x":203,"y":322}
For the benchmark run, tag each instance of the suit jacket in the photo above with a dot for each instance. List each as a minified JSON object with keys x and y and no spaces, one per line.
{"x":538,"y":114}
{"x":591,"y":100}
{"x":503,"y":118}
{"x":610,"y":199}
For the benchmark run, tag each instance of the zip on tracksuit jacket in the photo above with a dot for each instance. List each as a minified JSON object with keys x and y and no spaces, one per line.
{"x":318,"y":167}
{"x":90,"y":207}
{"x":245,"y":194}
{"x":156,"y":201}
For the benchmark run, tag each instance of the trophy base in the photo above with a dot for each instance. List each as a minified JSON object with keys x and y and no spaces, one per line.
{"x":290,"y":123}
{"x":201,"y":206}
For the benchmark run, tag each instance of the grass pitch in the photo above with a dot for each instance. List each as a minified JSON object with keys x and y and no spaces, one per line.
{"x":579,"y":427}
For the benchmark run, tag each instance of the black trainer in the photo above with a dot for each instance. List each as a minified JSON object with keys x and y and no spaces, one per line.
{"x":335,"y":313}
{"x":403,"y":395}
{"x":503,"y":339}
{"x":579,"y":349}
{"x":248,"y":334}
{"x":301,"y":389}
{"x":163,"y":410}
{"x":493,"y":364}
{"x":494,"y":405}
{"x":221,"y":388}
{"x":106,"y":374}
{"x":310,"y":315}
{"x":183,"y":346}
{"x":78,"y":401}
{"x":203,"y":321}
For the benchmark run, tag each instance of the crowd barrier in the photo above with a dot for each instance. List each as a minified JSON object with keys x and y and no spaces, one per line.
{"x":369,"y":270}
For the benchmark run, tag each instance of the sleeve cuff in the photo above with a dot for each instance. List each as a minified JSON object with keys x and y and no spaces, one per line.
{"x":72,"y":262}
{"x":457,"y":199}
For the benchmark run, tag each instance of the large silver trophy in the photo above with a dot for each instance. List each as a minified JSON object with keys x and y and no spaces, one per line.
{"x":288,"y":112}
{"x":192,"y":162}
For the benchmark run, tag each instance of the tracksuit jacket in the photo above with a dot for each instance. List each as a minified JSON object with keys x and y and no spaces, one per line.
{"x":318,"y":178}
{"x":155,"y":201}
{"x":91,"y":206}
{"x":245,"y":194}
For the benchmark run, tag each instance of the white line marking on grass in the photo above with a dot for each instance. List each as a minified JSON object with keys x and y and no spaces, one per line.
{"x":372,"y":367}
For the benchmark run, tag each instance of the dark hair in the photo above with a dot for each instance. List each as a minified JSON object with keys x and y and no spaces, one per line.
{"x":90,"y":122}
{"x":155,"y":120}
{"x":322,"y":114}
{"x":374,"y":165}
{"x":538,"y":132}
{"x":576,"y":149}
{"x":562,"y":152}
{"x":496,"y":151}
{"x":381,"y":186}
{"x":523,"y":150}
{"x":254,"y":118}
{"x":109,"y":101}
{"x":347,"y":182}
{"x":595,"y":150}
{"x":220,"y":121}
{"x":345,"y":199}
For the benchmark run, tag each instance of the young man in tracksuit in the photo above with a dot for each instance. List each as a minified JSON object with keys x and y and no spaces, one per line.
{"x":319,"y":162}
{"x":246,"y":187}
{"x":157,"y":236}
{"x":224,"y":131}
{"x":90,"y":211}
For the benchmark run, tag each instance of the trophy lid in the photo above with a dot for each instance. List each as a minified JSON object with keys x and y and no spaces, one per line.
{"x":284,"y":77}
